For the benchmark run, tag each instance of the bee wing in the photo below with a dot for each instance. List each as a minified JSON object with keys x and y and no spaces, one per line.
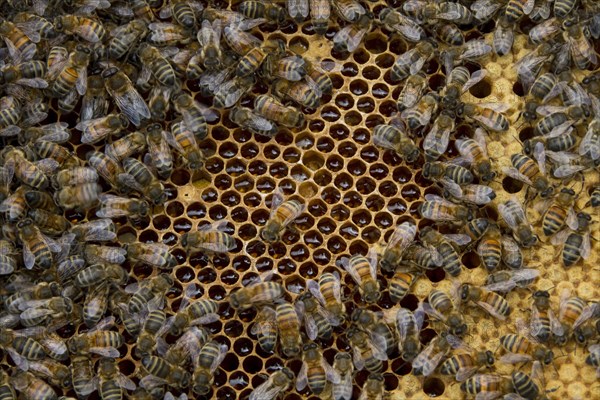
{"x":11,"y":130}
{"x":87,"y":33}
{"x":590,"y":146}
{"x":425,"y":361}
{"x":586,"y":314}
{"x":276,"y":201}
{"x":382,"y":142}
{"x":475,"y":49}
{"x":100,"y":230}
{"x":515,"y":174}
{"x":465,"y":372}
{"x":431,"y":141}
{"x":403,"y":315}
{"x":514,"y":358}
{"x":528,"y":7}
{"x":491,"y":310}
{"x":565,"y":171}
{"x":452,"y":187}
{"x":313,"y":287}
{"x":345,"y":262}
{"x":586,"y":246}
{"x":28,"y":257}
{"x":265,"y":391}
{"x":484,"y":9}
{"x":405,"y":233}
{"x":150,"y":381}
{"x":20,"y":361}
{"x":372,"y":257}
{"x":81,"y":83}
{"x":410,"y":33}
{"x":131,"y":104}
{"x":302,"y":379}
{"x":417,"y":65}
{"x":432,"y":312}
{"x":475,"y":78}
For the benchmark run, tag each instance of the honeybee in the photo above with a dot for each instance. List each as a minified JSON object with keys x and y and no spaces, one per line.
{"x":315,"y":371}
{"x":300,"y":92}
{"x":277,"y":383}
{"x":86,"y":28}
{"x":394,"y":138}
{"x":229,"y":92}
{"x":400,"y":23}
{"x":449,"y":34}
{"x":365,"y":353}
{"x":95,"y":305}
{"x":513,"y":214}
{"x":349,"y":10}
{"x":157,"y":65}
{"x":129,"y":101}
{"x":448,"y":256}
{"x":112,"y":206}
{"x":412,"y":91}
{"x":521,"y":349}
{"x":505,"y":281}
{"x":208,"y":359}
{"x":543,"y":322}
{"x":472,"y":50}
{"x":328,"y":291}
{"x":363,"y":271}
{"x":167,"y":34}
{"x":474,"y":151}
{"x":124,"y":37}
{"x":148,"y":294}
{"x":288,"y":324}
{"x":150,"y":186}
{"x":24,"y":293}
{"x":31,"y":174}
{"x":265,"y":329}
{"x":320,"y":12}
{"x":20,"y":46}
{"x":127,"y":146}
{"x":442,"y":308}
{"x":155,"y":254}
{"x":451,"y":176}
{"x":8,"y":261}
{"x":573,"y":311}
{"x":28,"y":73}
{"x":487,"y":114}
{"x":96,"y":340}
{"x":104,"y":255}
{"x":37,"y":248}
{"x":409,"y":327}
{"x":590,"y":144}
{"x":576,"y":38}
{"x":193,"y":312}
{"x":373,"y":323}
{"x":421,"y":113}
{"x":154,"y":326}
{"x":159,"y":154}
{"x":373,"y":388}
{"x":400,"y":284}
{"x":187,"y":345}
{"x":464,"y":365}
{"x":37,"y":312}
{"x":343,"y":367}
{"x":95,"y":130}
{"x":272,"y":109}
{"x":412,"y":61}
{"x":515,"y":9}
{"x":593,"y":359}
{"x":487,"y":386}
{"x":248,"y":119}
{"x":459,"y":81}
{"x":438,"y":209}
{"x":21,"y":349}
{"x":437,"y":139}
{"x":316,"y":318}
{"x":350,"y":37}
{"x":111,"y":381}
{"x":209,"y":37}
{"x":182,"y":139}
{"x":256,"y":293}
{"x":52,"y":371}
{"x":40,"y":199}
{"x":210,"y":238}
{"x":402,"y":237}
{"x":270,"y":11}
{"x":583,"y":330}
{"x":429,"y":358}
{"x":49,"y":223}
{"x":161,"y":372}
{"x":32,"y":387}
{"x":282,"y":214}
{"x":56,"y":132}
{"x":491,"y":302}
{"x":182,"y":11}
{"x":292,"y":68}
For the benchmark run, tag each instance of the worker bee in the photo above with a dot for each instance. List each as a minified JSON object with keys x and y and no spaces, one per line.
{"x":248,"y":119}
{"x":543,"y":322}
{"x":206,"y":362}
{"x":25,"y":292}
{"x":28,"y":73}
{"x":20,"y":46}
{"x":400,"y":284}
{"x":272,"y":12}
{"x":467,"y":363}
{"x":186,"y":347}
{"x":576,"y":38}
{"x":474,"y":151}
{"x":210,"y":238}
{"x":400,"y":23}
{"x":277,"y":383}
{"x":471,"y":51}
{"x":21,"y":349}
{"x":316,"y":318}
{"x":37,"y":312}
{"x":373,"y":323}
{"x":124,"y":37}
{"x":505,"y":281}
{"x":288,"y":325}
{"x":438,"y":209}
{"x":292,"y":68}
{"x":442,"y":308}
{"x":80,"y":196}
{"x":209,"y":37}
{"x":192,"y":312}
{"x":265,"y":329}
{"x":320,"y":12}
{"x":487,"y":386}
{"x":86,"y":28}
{"x":127,"y":146}
{"x":182,"y":11}
{"x":491,"y":302}
{"x":161,"y":372}
{"x":167,"y":34}
{"x":593,"y":358}
{"x":402,"y":237}
{"x":409,"y":327}
{"x":95,"y":130}
{"x":363,"y":271}
{"x":300,"y":92}
{"x":448,"y":256}
{"x":343,"y":367}
{"x":57,"y":133}
{"x":583,"y":330}
{"x":155,"y":63}
{"x":515,"y":9}
{"x":511,"y":253}
{"x":373,"y":388}
{"x":328,"y":291}
{"x":573,"y":311}
{"x":272,"y":109}
{"x":590,"y":144}
{"x":129,"y":101}
{"x":315,"y":371}
{"x":488,"y":115}
{"x":97,"y":340}
{"x":159,"y":154}
{"x":155,"y":254}
{"x":95,"y":304}
{"x":521,"y":349}
{"x":49,"y":223}
{"x":8,"y":261}
{"x":412,"y":61}
{"x":31,"y":174}
{"x":229,"y":92}
{"x":429,"y":358}
{"x":282,"y":214}
{"x":148,"y":294}
{"x":256,"y":293}
{"x":421,"y":113}
{"x":503,"y":37}
{"x":182,"y":139}
{"x":450,"y":176}
{"x":489,"y":248}
{"x":74,"y":176}
{"x":52,"y":371}
{"x":150,"y":186}
{"x":366,"y":354}
{"x":37,"y":248}
{"x":458,"y":82}
{"x":559,"y":212}
{"x":394,"y":138}
{"x":111,"y":381}
{"x":154,"y":326}
{"x":513,"y":214}
{"x":15,"y":205}
{"x":112,"y":206}
{"x":412,"y":91}
{"x":437,"y":139}
{"x":32,"y":387}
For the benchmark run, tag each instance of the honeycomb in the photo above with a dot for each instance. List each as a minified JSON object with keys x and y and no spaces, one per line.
{"x":355,"y":193}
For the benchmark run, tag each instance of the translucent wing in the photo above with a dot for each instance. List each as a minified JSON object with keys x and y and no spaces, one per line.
{"x":475,"y":78}
{"x":513,"y":358}
{"x":491,"y":310}
{"x":109,"y":352}
{"x":131,"y":104}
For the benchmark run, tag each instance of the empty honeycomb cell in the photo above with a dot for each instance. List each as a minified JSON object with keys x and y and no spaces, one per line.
{"x":257,"y":167}
{"x":228,"y":150}
{"x":378,"y":171}
{"x":278,"y":170}
{"x":161,"y":222}
{"x":312,"y":160}
{"x":433,"y":387}
{"x":299,"y":253}
{"x":349,"y":69}
{"x":217,"y":212}
{"x":326,"y":225}
{"x":365,"y":185}
{"x":126,"y":234}
{"x":235,"y":167}
{"x":286,"y":266}
{"x":347,"y":149}
{"x":358,"y":247}
{"x":239,"y":214}
{"x":217,"y":293}
{"x":336,"y":244}
{"x":410,"y":192}
{"x":321,"y":257}
{"x":437,"y":82}
{"x":343,"y":181}
{"x":511,"y":185}
{"x":371,"y":73}
{"x":244,"y":183}
{"x":353,"y":199}
{"x":383,"y":220}
{"x":384,"y":60}
{"x":388,"y":108}
{"x":361,"y":56}
{"x":142,"y":271}
{"x":331,"y":195}
{"x":397,"y":206}
{"x":313,"y":239}
{"x":284,"y":137}
{"x":358,"y":87}
{"x":247,"y":231}
{"x":230,"y":198}
{"x":185,"y":274}
{"x":249,"y":151}
{"x":526,"y":133}
{"x":482,"y":89}
{"x":305,"y":141}
{"x":210,"y":195}
{"x":361,"y":217}
{"x":435,"y":275}
{"x":317,"y":208}
{"x":148,"y":236}
{"x":376,"y":42}
{"x":349,"y":231}
{"x":169,"y":238}
{"x":356,"y":167}
{"x":295,"y":284}
{"x":265,"y":185}
{"x":365,"y":105}
{"x":371,"y":235}
{"x":471,"y":260}
{"x":271,"y":152}
{"x":339,"y":131}
{"x":316,"y":125}
{"x":330,"y":114}
{"x":344,"y":101}
{"x":291,"y":155}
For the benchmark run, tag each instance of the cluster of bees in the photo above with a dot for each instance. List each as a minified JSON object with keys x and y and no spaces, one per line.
{"x":125,"y":71}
